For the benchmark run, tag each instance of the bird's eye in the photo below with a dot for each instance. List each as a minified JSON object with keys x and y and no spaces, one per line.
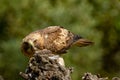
{"x":34,"y":41}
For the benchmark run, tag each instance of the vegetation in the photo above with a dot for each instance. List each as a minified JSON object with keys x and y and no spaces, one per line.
{"x":97,"y":20}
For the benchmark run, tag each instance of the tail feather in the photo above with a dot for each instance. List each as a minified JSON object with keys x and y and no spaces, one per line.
{"x":81,"y":42}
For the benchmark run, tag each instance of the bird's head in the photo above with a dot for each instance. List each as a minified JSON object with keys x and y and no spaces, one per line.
{"x":27,"y":48}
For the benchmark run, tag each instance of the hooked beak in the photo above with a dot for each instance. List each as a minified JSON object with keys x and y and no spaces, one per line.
{"x":31,"y":43}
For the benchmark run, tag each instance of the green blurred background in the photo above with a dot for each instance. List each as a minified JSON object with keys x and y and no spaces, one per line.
{"x":97,"y":20}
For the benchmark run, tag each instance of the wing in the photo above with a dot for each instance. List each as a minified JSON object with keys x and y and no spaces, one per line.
{"x":57,"y":39}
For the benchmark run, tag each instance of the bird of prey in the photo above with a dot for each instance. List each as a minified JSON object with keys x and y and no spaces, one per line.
{"x":54,"y":38}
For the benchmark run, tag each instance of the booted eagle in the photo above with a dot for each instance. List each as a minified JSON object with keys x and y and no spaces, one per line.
{"x":54,"y":38}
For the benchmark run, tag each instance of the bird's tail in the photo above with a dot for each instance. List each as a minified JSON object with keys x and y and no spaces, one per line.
{"x":81,"y":42}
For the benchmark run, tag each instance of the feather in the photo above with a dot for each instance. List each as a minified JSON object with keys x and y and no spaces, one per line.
{"x":54,"y":38}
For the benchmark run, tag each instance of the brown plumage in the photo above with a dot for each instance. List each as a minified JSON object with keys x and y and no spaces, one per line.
{"x":54,"y":38}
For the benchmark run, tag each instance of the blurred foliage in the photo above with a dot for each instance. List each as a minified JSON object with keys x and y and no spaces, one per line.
{"x":97,"y":20}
